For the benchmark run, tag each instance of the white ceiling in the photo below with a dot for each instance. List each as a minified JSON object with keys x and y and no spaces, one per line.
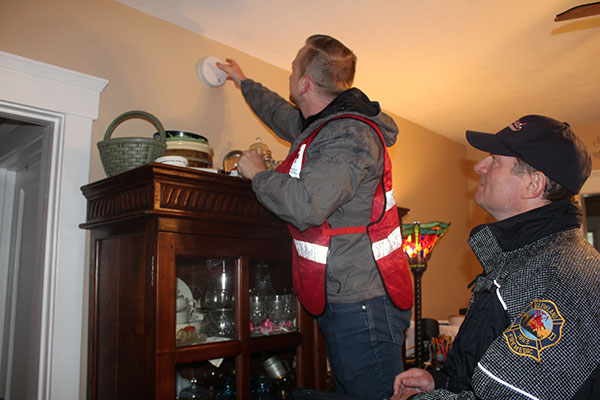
{"x":446,"y":65}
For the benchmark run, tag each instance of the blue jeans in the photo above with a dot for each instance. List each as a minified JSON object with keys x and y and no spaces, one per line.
{"x":364,"y":345}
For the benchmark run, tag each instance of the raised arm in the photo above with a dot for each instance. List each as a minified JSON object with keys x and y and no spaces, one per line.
{"x":233,"y":70}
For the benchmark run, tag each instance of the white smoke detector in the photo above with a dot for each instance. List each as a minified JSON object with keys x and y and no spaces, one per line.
{"x":209,"y":73}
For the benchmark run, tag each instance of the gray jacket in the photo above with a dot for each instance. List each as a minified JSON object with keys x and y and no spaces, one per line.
{"x":556,"y":271}
{"x":337,"y":183}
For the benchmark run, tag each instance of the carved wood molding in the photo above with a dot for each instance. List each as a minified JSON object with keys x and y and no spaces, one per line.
{"x":195,"y":199}
{"x":169,"y":198}
{"x":137,"y":199}
{"x":171,"y":191}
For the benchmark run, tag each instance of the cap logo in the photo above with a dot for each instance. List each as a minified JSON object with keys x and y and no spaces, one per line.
{"x":517,"y":126}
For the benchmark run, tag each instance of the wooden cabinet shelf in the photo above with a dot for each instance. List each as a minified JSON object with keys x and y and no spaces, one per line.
{"x":208,"y":351}
{"x":276,"y":342}
{"x":159,"y":234}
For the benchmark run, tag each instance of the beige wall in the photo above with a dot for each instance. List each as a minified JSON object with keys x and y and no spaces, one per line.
{"x":151,"y":66}
{"x":430,"y":178}
{"x":590,"y":134}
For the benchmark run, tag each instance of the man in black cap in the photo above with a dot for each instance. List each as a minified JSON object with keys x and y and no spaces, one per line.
{"x":533,"y":325}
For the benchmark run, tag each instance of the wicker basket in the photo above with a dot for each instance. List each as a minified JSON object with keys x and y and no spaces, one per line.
{"x":122,"y":154}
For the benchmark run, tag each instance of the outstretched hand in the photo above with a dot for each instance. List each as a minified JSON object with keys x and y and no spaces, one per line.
{"x":233,"y":70}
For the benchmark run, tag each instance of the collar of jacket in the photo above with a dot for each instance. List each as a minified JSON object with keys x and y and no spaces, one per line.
{"x":523,"y":229}
{"x":350,"y":100}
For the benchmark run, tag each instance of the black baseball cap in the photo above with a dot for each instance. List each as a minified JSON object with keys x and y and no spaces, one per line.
{"x":548,"y":145}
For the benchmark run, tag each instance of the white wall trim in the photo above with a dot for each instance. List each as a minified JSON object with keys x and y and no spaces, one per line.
{"x":27,"y":82}
{"x":70,"y":101}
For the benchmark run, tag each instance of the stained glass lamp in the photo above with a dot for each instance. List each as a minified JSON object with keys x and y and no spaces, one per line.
{"x":418,"y":241}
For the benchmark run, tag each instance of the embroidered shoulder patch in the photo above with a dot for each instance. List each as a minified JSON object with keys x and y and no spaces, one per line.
{"x":538,"y":327}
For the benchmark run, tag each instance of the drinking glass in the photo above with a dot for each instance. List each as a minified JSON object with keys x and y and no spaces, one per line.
{"x":225,"y":323}
{"x":258,"y":311}
{"x":289,"y":304}
{"x":276,"y":310}
{"x":217,"y":298}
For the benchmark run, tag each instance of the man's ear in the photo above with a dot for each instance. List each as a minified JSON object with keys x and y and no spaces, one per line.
{"x":304,"y":84}
{"x":536,"y":186}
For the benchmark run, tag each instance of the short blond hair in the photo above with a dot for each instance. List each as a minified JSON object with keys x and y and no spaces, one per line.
{"x":329,"y":63}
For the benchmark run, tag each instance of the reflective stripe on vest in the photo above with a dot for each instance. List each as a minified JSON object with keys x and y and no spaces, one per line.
{"x":388,"y":245}
{"x":311,"y":251}
{"x":390,"y":201}
{"x":297,"y":164}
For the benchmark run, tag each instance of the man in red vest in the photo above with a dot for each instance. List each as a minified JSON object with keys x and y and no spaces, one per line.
{"x":335,"y":192}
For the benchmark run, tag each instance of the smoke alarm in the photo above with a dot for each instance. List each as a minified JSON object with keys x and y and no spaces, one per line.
{"x":209,"y":73}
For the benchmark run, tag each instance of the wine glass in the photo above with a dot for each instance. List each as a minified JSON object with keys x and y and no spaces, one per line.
{"x":258,"y":311}
{"x":289,"y":306}
{"x":276,"y":310}
{"x":217,"y":298}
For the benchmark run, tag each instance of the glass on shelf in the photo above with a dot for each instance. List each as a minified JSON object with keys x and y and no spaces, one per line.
{"x":276,"y":311}
{"x":213,"y":379}
{"x":194,"y":391}
{"x":220,"y":296}
{"x":261,"y":388}
{"x":289,"y":303}
{"x":205,"y":302}
{"x":272,"y":299}
{"x":263,"y":285}
{"x":258,"y":310}
{"x":230,"y":162}
{"x":226,"y":390}
{"x":220,"y":322}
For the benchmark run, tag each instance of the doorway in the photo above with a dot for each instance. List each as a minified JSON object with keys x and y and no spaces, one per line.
{"x":591,"y":207}
{"x":24,"y":152}
{"x":589,"y":200}
{"x":66,"y":103}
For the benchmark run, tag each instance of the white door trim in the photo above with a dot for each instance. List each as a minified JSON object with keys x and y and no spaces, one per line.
{"x":70,"y":101}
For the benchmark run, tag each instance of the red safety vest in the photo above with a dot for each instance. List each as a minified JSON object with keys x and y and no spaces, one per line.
{"x":311,"y":246}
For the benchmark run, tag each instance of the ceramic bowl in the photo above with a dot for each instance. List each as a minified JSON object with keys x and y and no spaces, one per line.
{"x":178,"y":161}
{"x":197,"y":153}
{"x":182,"y":135}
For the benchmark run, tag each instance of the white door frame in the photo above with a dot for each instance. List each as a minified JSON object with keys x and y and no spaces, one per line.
{"x":69,"y":100}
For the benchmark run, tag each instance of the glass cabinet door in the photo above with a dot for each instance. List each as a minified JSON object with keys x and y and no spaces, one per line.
{"x":231,"y":304}
{"x":205,"y":300}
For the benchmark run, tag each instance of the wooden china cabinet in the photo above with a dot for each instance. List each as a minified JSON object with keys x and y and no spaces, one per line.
{"x":176,"y":256}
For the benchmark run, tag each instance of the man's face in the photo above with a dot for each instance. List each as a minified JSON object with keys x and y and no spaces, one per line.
{"x":500,"y":190}
{"x":295,"y":78}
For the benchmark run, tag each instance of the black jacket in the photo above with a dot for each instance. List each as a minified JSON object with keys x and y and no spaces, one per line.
{"x":535,"y":334}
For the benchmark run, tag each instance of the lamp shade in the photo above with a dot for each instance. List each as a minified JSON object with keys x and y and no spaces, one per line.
{"x":419,"y":239}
